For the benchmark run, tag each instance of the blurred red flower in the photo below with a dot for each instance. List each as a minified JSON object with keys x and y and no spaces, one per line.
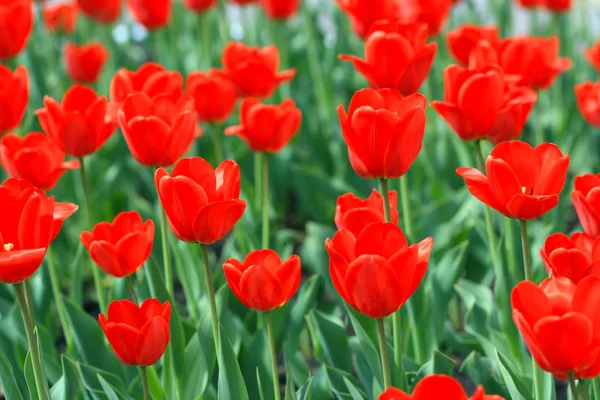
{"x":263,"y":281}
{"x":16,"y":24}
{"x":214,"y":95}
{"x":434,"y":13}
{"x":364,"y":13}
{"x":84,"y":63}
{"x":463,"y":40}
{"x":103,"y":11}
{"x":202,"y":204}
{"x":586,"y":199}
{"x":593,"y":55}
{"x":14,"y":97}
{"x":34,"y":157}
{"x":573,"y":257}
{"x":267,"y":127}
{"x":552,"y":5}
{"x":397,"y":122}
{"x":588,"y":101}
{"x":243,"y":2}
{"x":522,"y":182}
{"x":80,"y":125}
{"x":152,"y":14}
{"x":280,"y":9}
{"x":354,"y":214}
{"x":396,"y":56}
{"x":434,"y":387}
{"x":60,"y":17}
{"x":120,"y":248}
{"x":137,"y":335}
{"x":199,"y":6}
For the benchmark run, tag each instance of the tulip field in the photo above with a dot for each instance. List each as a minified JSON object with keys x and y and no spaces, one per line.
{"x":299,"y":199}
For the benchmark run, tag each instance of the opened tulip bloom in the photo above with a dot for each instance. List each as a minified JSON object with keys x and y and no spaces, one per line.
{"x":396,"y":56}
{"x":280,"y":9}
{"x":199,"y":6}
{"x":522,"y":182}
{"x":572,"y":257}
{"x":586,"y":199}
{"x":263,"y":281}
{"x":354,"y":214}
{"x":592,"y":54}
{"x":202,"y":204}
{"x":103,"y":11}
{"x":120,"y":248}
{"x":463,"y":40}
{"x":215,"y":96}
{"x":267,"y":127}
{"x":588,"y":101}
{"x":364,"y":13}
{"x":60,"y":17}
{"x":157,"y":130}
{"x":16,"y":24}
{"x":152,"y":14}
{"x":377,"y":271}
{"x":34,"y":157}
{"x":137,"y":335}
{"x":85,"y":63}
{"x":14,"y":97}
{"x":383,"y":131}
{"x":437,"y":387}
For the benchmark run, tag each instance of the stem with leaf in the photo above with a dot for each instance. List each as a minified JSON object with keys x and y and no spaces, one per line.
{"x":144,"y":373}
{"x":131,"y":284}
{"x":265,"y":202}
{"x":385,"y":363}
{"x":211,"y":296}
{"x":273,"y":357}
{"x":573,"y":386}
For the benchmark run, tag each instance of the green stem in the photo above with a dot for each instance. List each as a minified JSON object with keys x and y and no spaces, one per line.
{"x":38,"y":373}
{"x":31,"y":309}
{"x":58,"y":299}
{"x":596,"y":387}
{"x":386,"y":199}
{"x":205,"y":30}
{"x":258,"y":179}
{"x":510,"y":249}
{"x":526,"y":252}
{"x":575,"y":395}
{"x":224,"y":21}
{"x":385,"y":363}
{"x":265,"y":202}
{"x":131,"y":284}
{"x":273,"y":357}
{"x":211,"y":296}
{"x":488,"y":214}
{"x":216,"y":139}
{"x":144,"y":374}
{"x":539,"y":127}
{"x":166,"y":253}
{"x":584,"y":389}
{"x":406,"y":213}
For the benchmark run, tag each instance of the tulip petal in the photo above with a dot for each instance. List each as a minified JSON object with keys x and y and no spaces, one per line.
{"x":122,"y":339}
{"x":479,"y":186}
{"x":572,"y":264}
{"x":289,"y":275}
{"x":383,"y":239}
{"x":439,"y":387}
{"x":531,"y":302}
{"x":18,"y":265}
{"x":215,"y":220}
{"x":261,"y":288}
{"x":527,"y":207}
{"x":106,"y":256}
{"x":585,"y":301}
{"x":126,"y":312}
{"x":152,"y":341}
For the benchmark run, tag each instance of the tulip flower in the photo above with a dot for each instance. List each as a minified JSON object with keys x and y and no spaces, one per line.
{"x":463,"y":40}
{"x":267,"y":127}
{"x":14,"y":96}
{"x":16,"y":24}
{"x":586,"y":199}
{"x":354,"y":214}
{"x":103,"y":11}
{"x":263,"y":281}
{"x":588,"y":101}
{"x":396,"y":56}
{"x":137,"y":335}
{"x":120,"y":248}
{"x":551,"y":5}
{"x":573,"y":257}
{"x":152,"y":14}
{"x":377,"y":271}
{"x":34,"y":157}
{"x":593,"y":55}
{"x":157,"y":130}
{"x":397,"y":122}
{"x":280,"y":9}
{"x":199,"y":6}
{"x":84,"y":63}
{"x":60,"y":17}
{"x":202,"y":204}
{"x":554,"y":313}
{"x":435,"y":387}
{"x":434,"y":13}
{"x":243,"y":2}
{"x":80,"y":124}
{"x":522,"y":182}
{"x":214,"y":96}
{"x":254,"y":70}
{"x":364,"y":13}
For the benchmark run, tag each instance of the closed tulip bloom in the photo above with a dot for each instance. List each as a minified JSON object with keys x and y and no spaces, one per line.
{"x":103,"y":11}
{"x":120,"y":248}
{"x":354,"y":214}
{"x":84,"y":63}
{"x":588,"y":101}
{"x":464,"y":39}
{"x":377,"y":271}
{"x":434,"y":13}
{"x":215,"y":96}
{"x":34,"y":157}
{"x":397,"y":122}
{"x":61,"y":17}
{"x":364,"y":13}
{"x":263,"y":281}
{"x":551,"y":315}
{"x":501,"y":117}
{"x":254,"y":71}
{"x":586,"y":199}
{"x":157,"y":130}
{"x":280,"y":9}
{"x":522,"y":182}
{"x":16,"y":24}
{"x":434,"y":387}
{"x":202,"y":204}
{"x":593,"y":55}
{"x":137,"y":335}
{"x":573,"y":257}
{"x":80,"y":125}
{"x":30,"y":222}
{"x":199,"y":6}
{"x":266,"y":127}
{"x":14,"y":97}
{"x":396,"y":56}
{"x":152,"y":14}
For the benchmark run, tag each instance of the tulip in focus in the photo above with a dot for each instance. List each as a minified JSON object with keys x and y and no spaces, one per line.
{"x":364,"y":13}
{"x":593,"y":55}
{"x":84,"y":63}
{"x":588,"y":101}
{"x":152,"y":14}
{"x":214,"y":96}
{"x":586,"y":199}
{"x":14,"y":97}
{"x":437,"y":387}
{"x":463,"y":40}
{"x":61,"y":17}
{"x":16,"y":24}
{"x":572,"y":257}
{"x":280,"y":9}
{"x":354,"y":214}
{"x":199,"y":6}
{"x":103,"y":11}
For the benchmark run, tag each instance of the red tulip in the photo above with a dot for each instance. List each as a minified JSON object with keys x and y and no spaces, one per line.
{"x":434,"y":13}
{"x":364,"y":13}
{"x":120,"y":248}
{"x":84,"y":63}
{"x":588,"y":101}
{"x":157,"y":130}
{"x":60,"y":17}
{"x":243,"y":2}
{"x":214,"y":96}
{"x":354,"y":214}
{"x":280,"y":9}
{"x":16,"y":24}
{"x":262,"y":281}
{"x":267,"y":127}
{"x":552,"y":5}
{"x":152,"y":14}
{"x":501,"y":117}
{"x":463,"y":40}
{"x":14,"y":96}
{"x":34,"y":157}
{"x":551,"y":315}
{"x":434,"y":387}
{"x":593,"y":55}
{"x":30,"y":222}
{"x":200,"y":6}
{"x":586,"y":199}
{"x":383,"y":131}
{"x":254,"y":70}
{"x":80,"y":124}
{"x":573,"y":257}
{"x":202,"y":204}
{"x":522,"y":182}
{"x":396,"y":56}
{"x":103,"y":11}
{"x":377,"y":271}
{"x":138,"y":335}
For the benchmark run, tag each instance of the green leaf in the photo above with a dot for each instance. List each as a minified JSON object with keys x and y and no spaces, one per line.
{"x":89,"y":376}
{"x":195,"y":371}
{"x":305,"y":391}
{"x":306,"y":300}
{"x":108,"y":390}
{"x":231,"y":382}
{"x":439,"y":364}
{"x":337,"y":382}
{"x":367,"y":347}
{"x":67,"y":386}
{"x":7,"y":379}
{"x":333,"y":340}
{"x":261,"y":393}
{"x":354,"y":392}
{"x":514,"y":383}
{"x":30,"y":377}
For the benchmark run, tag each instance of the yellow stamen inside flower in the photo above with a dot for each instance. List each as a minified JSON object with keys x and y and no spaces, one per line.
{"x":8,"y":246}
{"x":524,"y":189}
